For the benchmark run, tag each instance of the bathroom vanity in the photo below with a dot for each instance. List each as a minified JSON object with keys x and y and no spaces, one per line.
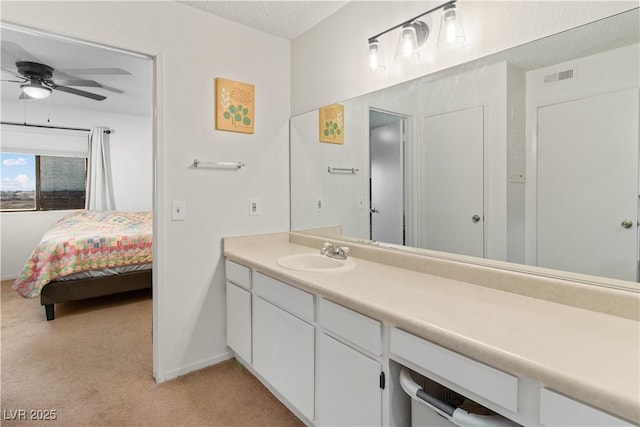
{"x":330,"y":344}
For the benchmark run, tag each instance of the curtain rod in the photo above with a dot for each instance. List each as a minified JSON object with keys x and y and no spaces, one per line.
{"x":107,"y":131}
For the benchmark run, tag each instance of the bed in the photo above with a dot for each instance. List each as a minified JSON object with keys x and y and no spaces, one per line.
{"x":88,"y":254}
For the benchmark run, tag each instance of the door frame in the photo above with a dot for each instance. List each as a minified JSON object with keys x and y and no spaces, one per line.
{"x":407,"y":185}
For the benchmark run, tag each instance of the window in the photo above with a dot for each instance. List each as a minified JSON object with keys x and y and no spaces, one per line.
{"x":42,"y":168}
{"x":32,"y":182}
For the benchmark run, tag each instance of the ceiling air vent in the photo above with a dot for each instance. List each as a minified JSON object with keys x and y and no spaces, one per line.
{"x":557,"y":77}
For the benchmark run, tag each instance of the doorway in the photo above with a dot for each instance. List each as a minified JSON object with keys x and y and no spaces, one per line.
{"x":386,"y":180}
{"x":127,"y":81}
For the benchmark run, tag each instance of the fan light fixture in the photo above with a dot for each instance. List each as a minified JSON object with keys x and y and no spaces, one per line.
{"x":414,"y":34}
{"x":35,"y":89}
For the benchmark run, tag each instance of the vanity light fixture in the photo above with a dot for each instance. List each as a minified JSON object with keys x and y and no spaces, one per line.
{"x":414,"y":33}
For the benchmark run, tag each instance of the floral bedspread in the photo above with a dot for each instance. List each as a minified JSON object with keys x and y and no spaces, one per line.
{"x":87,"y":240}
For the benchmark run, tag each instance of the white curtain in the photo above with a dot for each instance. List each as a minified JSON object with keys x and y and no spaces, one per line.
{"x":99,"y":183}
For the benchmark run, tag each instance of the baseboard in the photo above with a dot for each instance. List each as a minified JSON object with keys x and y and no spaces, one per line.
{"x":174,"y":373}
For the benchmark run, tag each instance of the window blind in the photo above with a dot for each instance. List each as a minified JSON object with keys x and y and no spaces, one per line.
{"x":44,"y":141}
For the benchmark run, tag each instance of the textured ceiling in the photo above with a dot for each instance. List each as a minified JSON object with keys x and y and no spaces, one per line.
{"x":285,"y":19}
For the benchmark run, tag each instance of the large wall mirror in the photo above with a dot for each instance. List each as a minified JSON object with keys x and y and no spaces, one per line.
{"x":528,"y":156}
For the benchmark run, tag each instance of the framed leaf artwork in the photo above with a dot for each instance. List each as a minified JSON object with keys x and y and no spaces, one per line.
{"x":235,"y":103}
{"x":331,"y":125}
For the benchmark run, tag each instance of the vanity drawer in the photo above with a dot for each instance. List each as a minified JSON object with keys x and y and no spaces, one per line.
{"x":285,"y":296}
{"x":355,"y":327}
{"x":494,"y":385}
{"x":559,"y":410}
{"x":238,"y":274}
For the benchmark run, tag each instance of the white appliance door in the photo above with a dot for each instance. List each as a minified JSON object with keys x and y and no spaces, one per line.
{"x":587,"y":189}
{"x":387,"y":184}
{"x":453,"y":202}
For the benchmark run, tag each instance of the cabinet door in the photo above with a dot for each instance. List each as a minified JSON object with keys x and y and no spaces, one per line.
{"x":283,"y":353}
{"x":559,"y":410}
{"x":239,"y":321}
{"x":349,"y":391}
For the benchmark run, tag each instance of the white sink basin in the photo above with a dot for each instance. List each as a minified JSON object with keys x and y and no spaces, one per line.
{"x":315,"y":262}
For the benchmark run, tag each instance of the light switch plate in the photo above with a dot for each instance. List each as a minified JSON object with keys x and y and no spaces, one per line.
{"x":178,"y":210}
{"x":319,"y":207}
{"x":254,"y":207}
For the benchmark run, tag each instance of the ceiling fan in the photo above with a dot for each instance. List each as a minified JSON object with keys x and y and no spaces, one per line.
{"x":36,"y":82}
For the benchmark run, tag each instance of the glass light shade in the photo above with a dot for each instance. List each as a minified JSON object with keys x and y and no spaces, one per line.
{"x":374,"y":56}
{"x":35,"y":90}
{"x":407,"y":44}
{"x":451,"y":31}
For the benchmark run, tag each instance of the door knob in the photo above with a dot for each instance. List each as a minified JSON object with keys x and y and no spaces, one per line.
{"x":475,"y":218}
{"x":374,"y":210}
{"x":627,"y":223}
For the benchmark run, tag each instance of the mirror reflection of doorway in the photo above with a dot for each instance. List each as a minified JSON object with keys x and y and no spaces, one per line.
{"x":386,"y":189}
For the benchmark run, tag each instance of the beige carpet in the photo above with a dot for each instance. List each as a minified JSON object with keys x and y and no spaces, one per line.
{"x":93,"y":366}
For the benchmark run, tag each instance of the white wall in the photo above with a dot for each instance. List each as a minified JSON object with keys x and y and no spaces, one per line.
{"x":329,"y":62}
{"x":191,"y":49}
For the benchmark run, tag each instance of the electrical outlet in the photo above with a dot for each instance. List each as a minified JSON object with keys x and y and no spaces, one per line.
{"x":319,"y":207}
{"x":178,"y":210}
{"x":254,"y":207}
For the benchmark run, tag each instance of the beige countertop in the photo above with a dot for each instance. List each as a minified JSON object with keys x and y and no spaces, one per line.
{"x":590,"y":356}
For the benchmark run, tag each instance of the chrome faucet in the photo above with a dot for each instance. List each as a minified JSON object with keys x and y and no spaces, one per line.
{"x":332,"y":251}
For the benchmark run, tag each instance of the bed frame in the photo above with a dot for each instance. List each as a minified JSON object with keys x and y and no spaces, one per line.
{"x":73,"y":290}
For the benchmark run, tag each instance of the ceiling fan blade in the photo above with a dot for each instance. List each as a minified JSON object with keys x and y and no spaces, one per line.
{"x":13,"y":73}
{"x":112,"y":89}
{"x":97,"y":71}
{"x":15,"y":81}
{"x":80,"y":93}
{"x":85,"y":83}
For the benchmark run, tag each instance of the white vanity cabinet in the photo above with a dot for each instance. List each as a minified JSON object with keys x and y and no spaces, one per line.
{"x":284,"y":340}
{"x":239,"y":309}
{"x":349,"y":370}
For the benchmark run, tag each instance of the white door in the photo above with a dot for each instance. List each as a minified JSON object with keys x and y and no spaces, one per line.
{"x":453,"y":182}
{"x":587,"y":189}
{"x":349,"y":392}
{"x":387,"y":183}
